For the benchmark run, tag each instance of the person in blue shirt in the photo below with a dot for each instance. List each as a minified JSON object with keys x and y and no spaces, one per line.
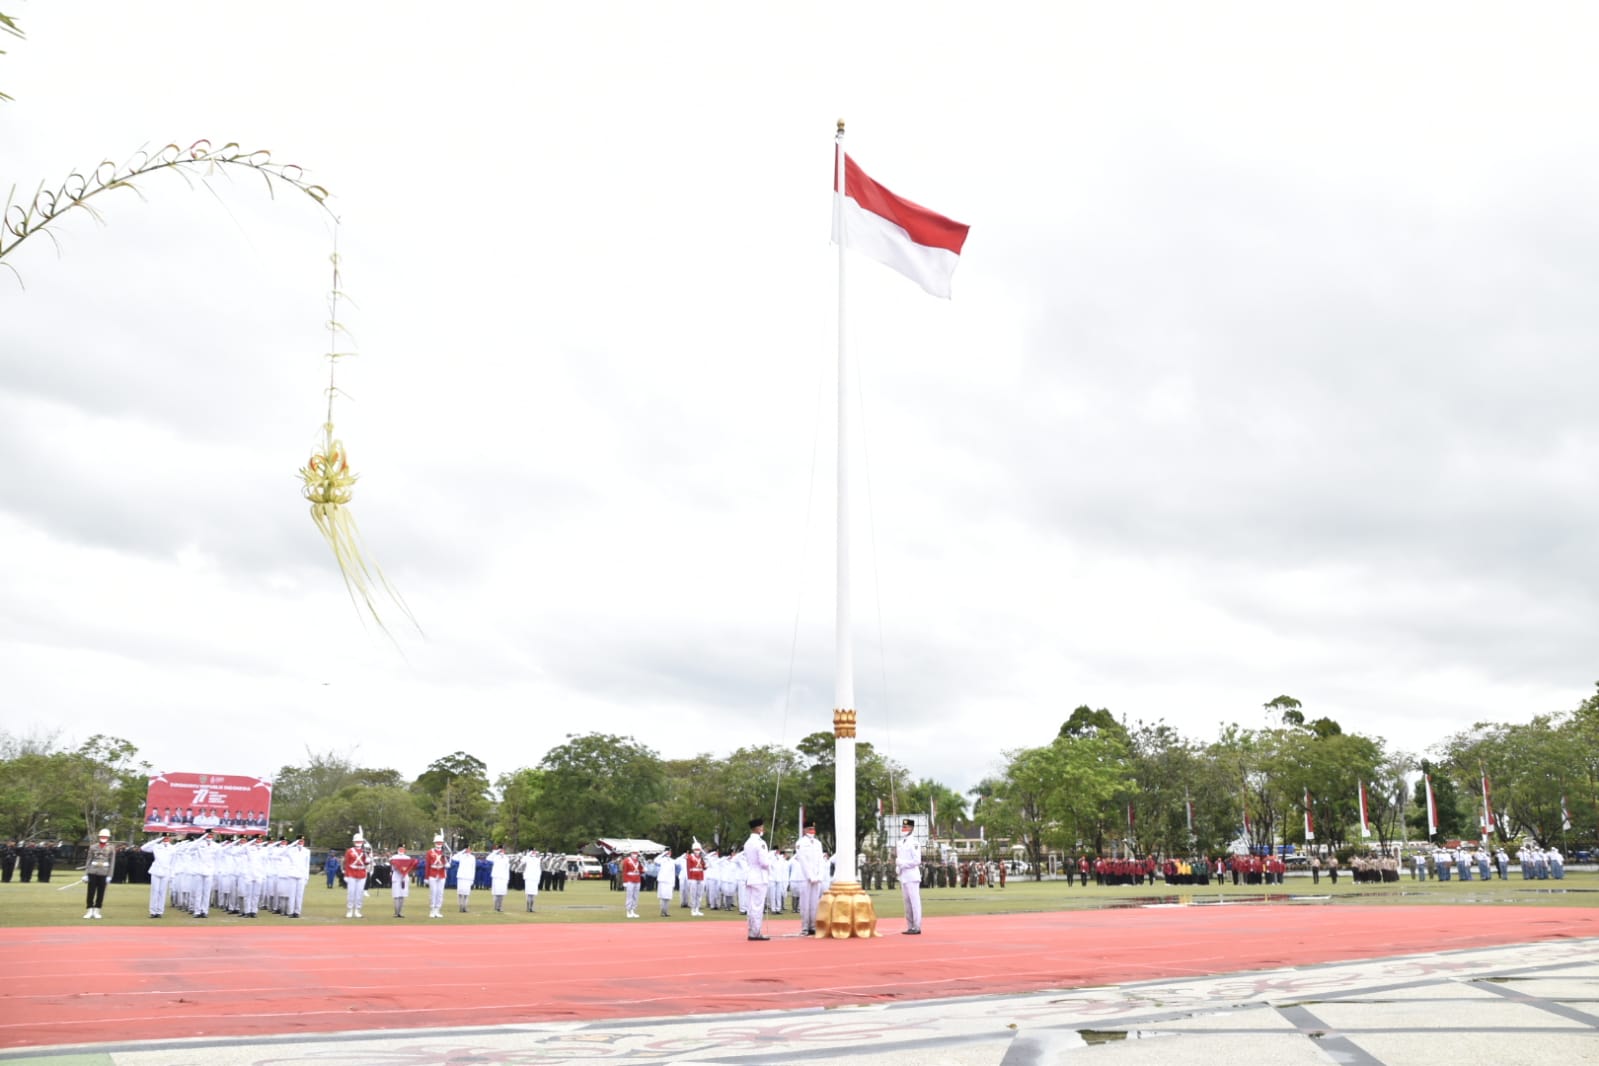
{"x":331,"y":868}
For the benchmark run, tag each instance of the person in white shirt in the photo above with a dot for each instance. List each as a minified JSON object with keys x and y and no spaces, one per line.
{"x":810,"y":867}
{"x":779,"y":884}
{"x":757,"y":876}
{"x":499,"y":876}
{"x":665,"y":881}
{"x":908,"y":864}
{"x":532,"y":867}
{"x":465,"y":870}
{"x":160,"y":850}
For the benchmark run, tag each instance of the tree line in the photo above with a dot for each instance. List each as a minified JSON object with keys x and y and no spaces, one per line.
{"x":1101,"y":784}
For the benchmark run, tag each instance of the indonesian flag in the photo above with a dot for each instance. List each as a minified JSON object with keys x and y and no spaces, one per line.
{"x":1365,"y":829}
{"x":1487,"y":807}
{"x":932,"y":815}
{"x":906,"y":237}
{"x":1130,"y":820}
{"x":1432,"y":807}
{"x":1565,"y":815}
{"x":1310,"y":823}
{"x":802,"y":820}
{"x":1189,"y":805}
{"x":1248,"y":831}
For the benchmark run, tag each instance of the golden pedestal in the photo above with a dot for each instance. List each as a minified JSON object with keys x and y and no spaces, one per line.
{"x":846,"y":911}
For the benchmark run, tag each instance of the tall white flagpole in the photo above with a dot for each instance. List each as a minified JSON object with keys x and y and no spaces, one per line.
{"x":846,"y":909}
{"x":844,"y":660}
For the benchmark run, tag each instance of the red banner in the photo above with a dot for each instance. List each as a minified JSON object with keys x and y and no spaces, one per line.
{"x":194,"y":803}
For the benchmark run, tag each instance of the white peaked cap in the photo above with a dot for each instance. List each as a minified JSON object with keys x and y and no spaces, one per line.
{"x":360,"y":836}
{"x":105,"y":832}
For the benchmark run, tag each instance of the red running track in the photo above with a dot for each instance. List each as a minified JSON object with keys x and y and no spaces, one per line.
{"x":119,"y":984}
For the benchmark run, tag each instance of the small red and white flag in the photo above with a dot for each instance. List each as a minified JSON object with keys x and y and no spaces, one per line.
{"x":1487,"y":807}
{"x":1432,"y":807}
{"x":1565,"y":815}
{"x":1310,"y":823}
{"x":1365,"y":828}
{"x":921,"y":244}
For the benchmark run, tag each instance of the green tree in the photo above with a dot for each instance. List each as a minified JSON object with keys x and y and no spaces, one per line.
{"x":387,"y":815}
{"x":520,"y":792}
{"x":876,"y":778}
{"x":455,"y":792}
{"x":598,"y":785}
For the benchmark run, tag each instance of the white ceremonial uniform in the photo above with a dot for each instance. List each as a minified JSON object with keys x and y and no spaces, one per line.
{"x":810,"y":866}
{"x":205,"y":855}
{"x":665,"y":884}
{"x":160,"y":850}
{"x":499,"y":876}
{"x":465,"y":870}
{"x":779,"y":885}
{"x":757,"y":878}
{"x":296,"y":860}
{"x":532,"y":867}
{"x":908,"y":864}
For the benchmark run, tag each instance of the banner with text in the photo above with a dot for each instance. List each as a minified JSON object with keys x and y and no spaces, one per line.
{"x":194,"y":803}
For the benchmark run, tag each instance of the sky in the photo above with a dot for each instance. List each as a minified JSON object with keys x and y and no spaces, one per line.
{"x":1269,"y":370}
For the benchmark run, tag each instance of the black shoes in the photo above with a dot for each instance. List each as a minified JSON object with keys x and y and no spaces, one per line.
{"x":913,"y":932}
{"x":760,"y":938}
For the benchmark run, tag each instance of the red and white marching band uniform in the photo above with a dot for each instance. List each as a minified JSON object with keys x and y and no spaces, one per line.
{"x":436,"y":870}
{"x":632,"y":879}
{"x":694,"y":880}
{"x":355,"y":867}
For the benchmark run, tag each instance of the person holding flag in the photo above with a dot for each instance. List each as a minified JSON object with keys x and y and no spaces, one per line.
{"x":400,"y":867}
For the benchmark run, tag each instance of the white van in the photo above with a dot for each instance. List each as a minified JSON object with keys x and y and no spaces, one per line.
{"x":584,"y":867}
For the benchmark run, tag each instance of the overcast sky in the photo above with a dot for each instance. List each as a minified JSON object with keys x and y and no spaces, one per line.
{"x":1270,"y":369}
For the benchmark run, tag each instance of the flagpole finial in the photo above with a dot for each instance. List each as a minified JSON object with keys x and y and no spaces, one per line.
{"x":840,"y":125}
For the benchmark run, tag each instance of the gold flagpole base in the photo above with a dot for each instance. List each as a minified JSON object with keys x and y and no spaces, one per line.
{"x":845,"y":912}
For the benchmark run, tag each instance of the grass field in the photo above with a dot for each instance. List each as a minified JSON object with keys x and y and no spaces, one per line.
{"x":62,"y":901}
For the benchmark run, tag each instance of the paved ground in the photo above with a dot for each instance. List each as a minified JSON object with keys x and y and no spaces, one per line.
{"x":1502,"y":1006}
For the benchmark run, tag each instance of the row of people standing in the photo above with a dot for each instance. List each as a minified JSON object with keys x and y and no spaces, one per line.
{"x":30,"y":858}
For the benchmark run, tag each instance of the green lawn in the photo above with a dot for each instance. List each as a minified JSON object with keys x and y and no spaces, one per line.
{"x":592,"y":901}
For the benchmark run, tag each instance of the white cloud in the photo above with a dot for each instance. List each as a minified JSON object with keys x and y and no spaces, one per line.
{"x":1267,"y":371}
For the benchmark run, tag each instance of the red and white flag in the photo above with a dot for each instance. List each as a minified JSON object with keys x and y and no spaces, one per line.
{"x":1565,"y":815}
{"x":1487,"y":807}
{"x":1432,"y":807}
{"x":1131,"y":821}
{"x":921,"y":244}
{"x":1365,"y":828}
{"x":1189,"y":805}
{"x":1310,"y":822}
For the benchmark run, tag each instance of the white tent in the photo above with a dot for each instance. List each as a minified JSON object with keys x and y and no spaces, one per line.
{"x":626,"y":845}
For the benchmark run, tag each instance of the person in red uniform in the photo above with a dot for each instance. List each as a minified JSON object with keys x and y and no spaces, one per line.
{"x":632,"y":880}
{"x":356,"y":865}
{"x":694,"y":879}
{"x":400,"y":867}
{"x":436,"y":869}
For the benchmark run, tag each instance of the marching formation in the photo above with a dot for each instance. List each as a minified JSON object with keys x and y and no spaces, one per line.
{"x":240,"y":876}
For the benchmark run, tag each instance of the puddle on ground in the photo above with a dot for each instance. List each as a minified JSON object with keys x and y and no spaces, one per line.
{"x":1108,"y":1036}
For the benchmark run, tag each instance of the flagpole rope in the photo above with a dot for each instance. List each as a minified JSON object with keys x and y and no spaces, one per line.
{"x":799,"y":599}
{"x":877,"y":589}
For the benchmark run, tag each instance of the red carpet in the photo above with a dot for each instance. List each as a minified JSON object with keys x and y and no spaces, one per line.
{"x":89,"y":985}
